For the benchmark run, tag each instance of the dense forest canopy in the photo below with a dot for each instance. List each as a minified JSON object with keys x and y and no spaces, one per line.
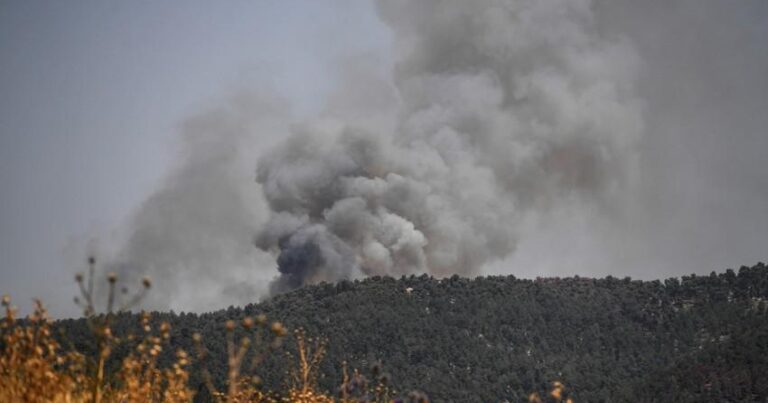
{"x":695,"y":338}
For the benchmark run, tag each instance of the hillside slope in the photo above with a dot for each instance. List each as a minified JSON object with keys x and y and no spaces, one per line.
{"x":699,"y":338}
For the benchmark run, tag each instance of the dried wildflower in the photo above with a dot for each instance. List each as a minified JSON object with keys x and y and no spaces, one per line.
{"x":279,"y":330}
{"x":56,"y":375}
{"x":418,"y":397}
{"x":32,"y":365}
{"x":165,"y":330}
{"x":534,"y":398}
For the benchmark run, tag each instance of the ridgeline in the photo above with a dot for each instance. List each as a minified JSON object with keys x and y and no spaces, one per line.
{"x":696,"y":338}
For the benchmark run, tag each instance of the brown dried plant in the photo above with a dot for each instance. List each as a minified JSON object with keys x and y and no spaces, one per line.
{"x":557,"y":394}
{"x":141,"y":378}
{"x":304,"y":387}
{"x":32,"y":366}
{"x":242,"y":384}
{"x":35,"y":368}
{"x":100,"y":324}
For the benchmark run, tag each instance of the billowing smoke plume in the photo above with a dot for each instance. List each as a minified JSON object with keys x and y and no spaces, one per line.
{"x":193,"y":236}
{"x":493,"y":111}
{"x":502,"y":107}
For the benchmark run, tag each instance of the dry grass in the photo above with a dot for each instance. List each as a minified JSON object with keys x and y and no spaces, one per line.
{"x":242,"y":387}
{"x":32,"y":365}
{"x":35,"y":368}
{"x":141,"y":380}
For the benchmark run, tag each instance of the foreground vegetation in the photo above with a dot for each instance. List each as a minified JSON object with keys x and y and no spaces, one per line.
{"x":695,"y":338}
{"x":115,"y":359}
{"x":35,"y":368}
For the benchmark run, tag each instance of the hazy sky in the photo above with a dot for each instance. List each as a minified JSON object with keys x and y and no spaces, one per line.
{"x":93,"y":96}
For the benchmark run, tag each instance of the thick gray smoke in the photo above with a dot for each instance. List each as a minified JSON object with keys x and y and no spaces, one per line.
{"x":193,"y":236}
{"x":503,"y":107}
{"x":598,"y":137}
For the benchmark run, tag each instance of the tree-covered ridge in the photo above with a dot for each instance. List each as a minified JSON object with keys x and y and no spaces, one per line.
{"x":698,"y":338}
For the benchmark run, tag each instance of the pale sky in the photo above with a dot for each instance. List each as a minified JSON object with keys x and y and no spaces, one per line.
{"x":93,"y":93}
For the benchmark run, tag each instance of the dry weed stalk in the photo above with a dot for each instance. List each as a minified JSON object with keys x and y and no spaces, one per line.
{"x":242,"y":387}
{"x":141,"y":378}
{"x":100,"y":324}
{"x":35,"y":368}
{"x":304,"y":376}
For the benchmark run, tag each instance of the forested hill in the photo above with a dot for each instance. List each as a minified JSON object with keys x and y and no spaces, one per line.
{"x":698,"y":338}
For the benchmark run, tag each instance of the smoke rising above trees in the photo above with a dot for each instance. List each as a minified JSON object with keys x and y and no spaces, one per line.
{"x":489,"y":113}
{"x":503,"y":107}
